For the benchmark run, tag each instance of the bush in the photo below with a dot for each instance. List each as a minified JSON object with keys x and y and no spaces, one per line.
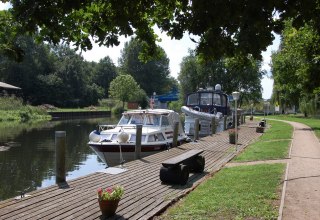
{"x":118,"y":110}
{"x":10,"y":103}
{"x":175,"y":106}
{"x":13,"y":109}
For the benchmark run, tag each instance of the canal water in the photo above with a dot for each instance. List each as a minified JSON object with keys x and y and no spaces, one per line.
{"x":27,"y":153}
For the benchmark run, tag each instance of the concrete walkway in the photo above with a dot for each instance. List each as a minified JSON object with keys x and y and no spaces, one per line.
{"x":301,"y":196}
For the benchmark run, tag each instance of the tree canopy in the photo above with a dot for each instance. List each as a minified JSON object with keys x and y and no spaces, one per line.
{"x":296,"y":65}
{"x":124,"y":88}
{"x":153,"y":75}
{"x":225,"y":28}
{"x":57,"y":75}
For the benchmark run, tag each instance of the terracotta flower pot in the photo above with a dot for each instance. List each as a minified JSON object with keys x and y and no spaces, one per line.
{"x":108,"y":207}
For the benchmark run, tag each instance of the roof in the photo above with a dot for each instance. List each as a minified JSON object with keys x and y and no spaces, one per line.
{"x":8,"y":86}
{"x":171,"y":96}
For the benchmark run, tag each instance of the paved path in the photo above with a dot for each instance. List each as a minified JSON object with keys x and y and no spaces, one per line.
{"x":302,"y":190}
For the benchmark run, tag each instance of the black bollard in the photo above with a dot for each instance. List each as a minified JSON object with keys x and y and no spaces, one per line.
{"x":60,"y":142}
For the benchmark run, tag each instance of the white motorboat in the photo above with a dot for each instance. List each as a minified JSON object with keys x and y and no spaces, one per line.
{"x":157,"y":132}
{"x":206,"y":104}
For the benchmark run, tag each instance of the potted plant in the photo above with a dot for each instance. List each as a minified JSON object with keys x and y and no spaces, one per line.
{"x":232,"y":136}
{"x":260,"y":129}
{"x":109,"y":199}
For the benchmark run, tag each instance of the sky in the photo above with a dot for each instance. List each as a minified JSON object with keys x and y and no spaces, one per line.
{"x":175,"y":50}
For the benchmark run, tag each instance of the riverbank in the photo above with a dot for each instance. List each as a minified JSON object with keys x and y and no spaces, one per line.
{"x":13,"y":109}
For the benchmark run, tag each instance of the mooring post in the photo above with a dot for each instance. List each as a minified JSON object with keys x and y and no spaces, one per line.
{"x":213,"y":125}
{"x":138,"y":142}
{"x":225,"y":122}
{"x":60,"y":142}
{"x":175,"y":134}
{"x":196,"y":129}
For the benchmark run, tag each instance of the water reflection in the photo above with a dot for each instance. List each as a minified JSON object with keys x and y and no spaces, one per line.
{"x":27,"y":153}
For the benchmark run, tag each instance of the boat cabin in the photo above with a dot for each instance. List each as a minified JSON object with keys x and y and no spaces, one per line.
{"x":209,"y":100}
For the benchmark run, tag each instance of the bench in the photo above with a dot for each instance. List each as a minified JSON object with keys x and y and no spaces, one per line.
{"x":176,"y":170}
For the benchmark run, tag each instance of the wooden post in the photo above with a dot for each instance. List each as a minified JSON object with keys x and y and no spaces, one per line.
{"x":244,"y":119}
{"x":213,"y":125}
{"x":60,"y":142}
{"x":196,"y":129}
{"x":175,"y":134}
{"x":241,"y":117}
{"x":225,"y":122}
{"x":138,"y":142}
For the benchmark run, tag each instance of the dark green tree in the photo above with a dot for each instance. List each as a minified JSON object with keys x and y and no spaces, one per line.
{"x":53,"y":75}
{"x":225,"y":28}
{"x":296,"y":65}
{"x":104,"y":72}
{"x":153,"y":75}
{"x":37,"y":61}
{"x":9,"y":32}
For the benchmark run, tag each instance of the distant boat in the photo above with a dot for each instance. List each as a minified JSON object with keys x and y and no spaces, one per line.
{"x":157,"y":132}
{"x":206,"y":104}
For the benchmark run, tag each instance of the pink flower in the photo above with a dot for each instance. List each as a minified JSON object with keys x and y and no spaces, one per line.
{"x":109,"y":190}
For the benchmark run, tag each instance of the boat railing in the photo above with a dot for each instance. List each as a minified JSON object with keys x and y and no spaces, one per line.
{"x":106,"y":127}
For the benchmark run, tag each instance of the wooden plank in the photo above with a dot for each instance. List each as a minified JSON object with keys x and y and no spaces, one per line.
{"x":181,"y":158}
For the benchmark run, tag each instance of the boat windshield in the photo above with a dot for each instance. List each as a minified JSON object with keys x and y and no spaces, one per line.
{"x":135,"y":119}
{"x":153,"y":120}
{"x":124,"y":120}
{"x":206,"y":98}
{"x":193,"y":99}
{"x":216,"y":99}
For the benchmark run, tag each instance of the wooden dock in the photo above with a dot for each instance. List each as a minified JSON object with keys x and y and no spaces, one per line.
{"x":145,"y":196}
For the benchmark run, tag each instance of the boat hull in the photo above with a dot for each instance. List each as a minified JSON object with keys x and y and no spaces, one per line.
{"x":106,"y":151}
{"x":100,"y":147}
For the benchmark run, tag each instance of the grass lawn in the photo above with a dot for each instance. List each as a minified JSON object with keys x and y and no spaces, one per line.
{"x":265,"y":151}
{"x":313,"y":123}
{"x":274,"y":144}
{"x":278,"y":130}
{"x":244,"y":192}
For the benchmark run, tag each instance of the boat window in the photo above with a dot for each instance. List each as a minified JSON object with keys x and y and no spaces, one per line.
{"x":124,"y":120}
{"x":193,"y":99}
{"x":216,"y":99}
{"x":136,"y":119}
{"x":165,"y":121}
{"x":133,"y":138}
{"x":152,"y":120}
{"x":155,"y":137}
{"x":160,"y":137}
{"x":151,"y":138}
{"x":223,"y":101}
{"x":206,"y":99}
